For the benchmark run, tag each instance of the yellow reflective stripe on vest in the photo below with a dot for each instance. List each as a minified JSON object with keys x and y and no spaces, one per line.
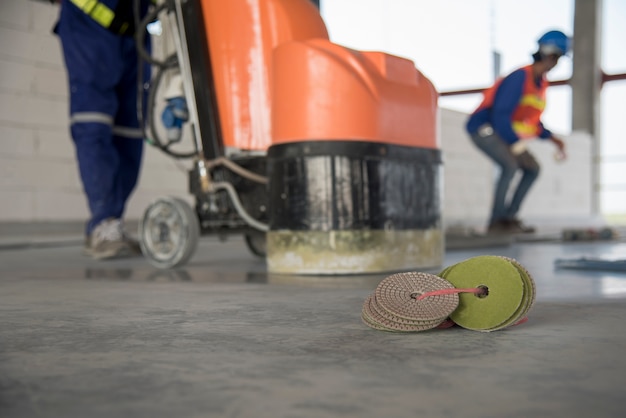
{"x":533,"y":101}
{"x":525,"y":130}
{"x":96,"y":10}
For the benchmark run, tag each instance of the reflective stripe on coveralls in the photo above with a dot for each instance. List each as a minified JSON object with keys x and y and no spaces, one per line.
{"x":96,"y":117}
{"x":97,"y":11}
{"x":105,"y":16}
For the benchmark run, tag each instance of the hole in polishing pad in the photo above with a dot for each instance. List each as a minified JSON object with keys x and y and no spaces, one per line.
{"x":415,"y":295}
{"x":484,"y":291}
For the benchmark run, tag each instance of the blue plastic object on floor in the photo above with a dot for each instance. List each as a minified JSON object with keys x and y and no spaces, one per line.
{"x":591,"y":264}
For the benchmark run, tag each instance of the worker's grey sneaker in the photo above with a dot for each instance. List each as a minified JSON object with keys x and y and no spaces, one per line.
{"x":509,"y":226}
{"x":107,"y":241}
{"x":519,"y":227}
{"x":499,"y":227}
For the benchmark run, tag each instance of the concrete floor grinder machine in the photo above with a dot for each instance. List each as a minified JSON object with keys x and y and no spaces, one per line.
{"x":325,"y":158}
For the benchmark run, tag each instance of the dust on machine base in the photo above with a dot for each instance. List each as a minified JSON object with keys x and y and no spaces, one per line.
{"x":325,"y":158}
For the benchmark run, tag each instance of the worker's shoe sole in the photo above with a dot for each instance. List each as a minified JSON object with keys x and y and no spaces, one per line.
{"x":109,"y":249}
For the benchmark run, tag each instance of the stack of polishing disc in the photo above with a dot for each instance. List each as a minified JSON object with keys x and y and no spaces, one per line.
{"x":394,"y":305}
{"x":509,"y":292}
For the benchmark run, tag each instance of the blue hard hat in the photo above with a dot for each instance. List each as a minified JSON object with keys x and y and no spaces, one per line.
{"x":554,"y":42}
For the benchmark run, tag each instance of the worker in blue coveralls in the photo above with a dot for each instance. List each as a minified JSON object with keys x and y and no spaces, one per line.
{"x":102,"y":66}
{"x":508,"y":117}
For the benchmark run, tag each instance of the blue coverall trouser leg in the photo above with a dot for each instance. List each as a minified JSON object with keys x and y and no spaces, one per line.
{"x":102,"y":69}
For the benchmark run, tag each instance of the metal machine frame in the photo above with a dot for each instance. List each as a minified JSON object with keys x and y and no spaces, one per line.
{"x":230,"y":190}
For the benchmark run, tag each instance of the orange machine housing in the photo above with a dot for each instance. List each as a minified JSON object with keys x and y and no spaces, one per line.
{"x":325,"y":91}
{"x":241,"y":35}
{"x":278,"y":79}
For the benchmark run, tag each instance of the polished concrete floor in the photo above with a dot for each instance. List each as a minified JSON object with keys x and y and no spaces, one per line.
{"x":221,"y":338}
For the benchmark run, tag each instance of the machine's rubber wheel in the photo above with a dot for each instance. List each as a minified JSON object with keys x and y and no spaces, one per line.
{"x":256,"y":243}
{"x":169,"y":232}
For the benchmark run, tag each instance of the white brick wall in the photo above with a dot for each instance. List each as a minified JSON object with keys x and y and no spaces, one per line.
{"x":467,"y":174}
{"x":560,"y":197}
{"x":38,"y":172}
{"x":39,"y":178}
{"x":564,"y":188}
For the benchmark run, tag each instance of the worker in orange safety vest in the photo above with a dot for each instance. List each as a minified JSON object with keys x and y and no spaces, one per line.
{"x":510,"y":115}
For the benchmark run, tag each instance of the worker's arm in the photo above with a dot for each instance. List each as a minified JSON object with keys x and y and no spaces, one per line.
{"x":560,"y":145}
{"x":505,"y":102}
{"x":545,"y":134}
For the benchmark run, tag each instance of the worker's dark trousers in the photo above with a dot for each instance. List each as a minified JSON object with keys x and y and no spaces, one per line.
{"x":102,"y":71}
{"x":499,"y":151}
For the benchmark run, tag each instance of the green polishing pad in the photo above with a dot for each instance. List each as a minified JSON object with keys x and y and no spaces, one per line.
{"x":529,"y":295}
{"x":510,"y":292}
{"x":444,"y":271}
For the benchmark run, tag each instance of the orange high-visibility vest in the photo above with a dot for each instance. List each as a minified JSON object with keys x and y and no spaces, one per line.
{"x":527,"y":115}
